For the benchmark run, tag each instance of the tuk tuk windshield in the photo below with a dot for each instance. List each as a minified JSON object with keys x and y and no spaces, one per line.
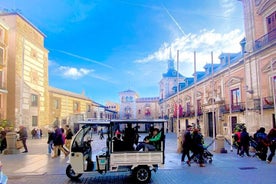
{"x":83,"y":136}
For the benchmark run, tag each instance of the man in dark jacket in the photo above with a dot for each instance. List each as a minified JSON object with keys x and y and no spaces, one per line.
{"x":68,"y":137}
{"x":186,"y":144}
{"x":244,"y":143}
{"x":23,"y":135}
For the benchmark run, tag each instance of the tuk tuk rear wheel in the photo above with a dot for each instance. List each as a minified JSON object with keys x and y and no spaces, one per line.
{"x":142,"y":174}
{"x":71,"y":173}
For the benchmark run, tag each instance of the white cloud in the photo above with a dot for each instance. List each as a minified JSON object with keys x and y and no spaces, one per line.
{"x":73,"y":73}
{"x":204,"y":43}
{"x":228,"y":7}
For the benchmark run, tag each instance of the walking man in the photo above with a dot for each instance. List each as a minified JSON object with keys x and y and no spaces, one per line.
{"x":187,"y":141}
{"x":23,"y":135}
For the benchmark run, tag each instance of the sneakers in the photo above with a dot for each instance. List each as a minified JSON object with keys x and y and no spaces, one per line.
{"x":188,"y":163}
{"x":268,"y":161}
{"x":25,"y":152}
{"x":201,"y":165}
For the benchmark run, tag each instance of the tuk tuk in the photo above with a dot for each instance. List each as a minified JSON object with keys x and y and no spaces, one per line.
{"x":120,"y":151}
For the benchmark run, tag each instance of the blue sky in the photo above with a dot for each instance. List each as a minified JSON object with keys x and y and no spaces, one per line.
{"x":103,"y":47}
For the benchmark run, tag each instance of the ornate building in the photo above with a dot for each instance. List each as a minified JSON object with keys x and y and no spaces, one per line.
{"x":240,"y":89}
{"x":133,"y":107}
{"x":128,"y":104}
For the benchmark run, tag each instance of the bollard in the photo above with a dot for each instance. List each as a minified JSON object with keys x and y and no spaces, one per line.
{"x":179,"y":143}
{"x":219,"y":147}
{"x":11,"y":144}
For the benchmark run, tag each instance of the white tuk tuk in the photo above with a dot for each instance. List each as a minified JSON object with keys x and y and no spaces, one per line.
{"x":119,"y":153}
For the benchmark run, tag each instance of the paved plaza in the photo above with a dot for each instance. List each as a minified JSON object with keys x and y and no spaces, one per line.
{"x":37,"y":167}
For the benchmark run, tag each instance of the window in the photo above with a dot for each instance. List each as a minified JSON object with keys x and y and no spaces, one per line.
{"x":1,"y":56}
{"x":1,"y":80}
{"x":56,"y":104}
{"x":95,"y":115}
{"x":271,"y":22}
{"x":76,"y":106}
{"x":2,"y":35}
{"x":34,"y":121}
{"x":88,"y":108}
{"x":34,"y":100}
{"x":235,"y":96}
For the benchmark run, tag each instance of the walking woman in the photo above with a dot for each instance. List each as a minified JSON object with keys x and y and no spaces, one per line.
{"x":58,"y":142}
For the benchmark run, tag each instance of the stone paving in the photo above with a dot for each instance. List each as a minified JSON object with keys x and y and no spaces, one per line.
{"x":38,"y":167}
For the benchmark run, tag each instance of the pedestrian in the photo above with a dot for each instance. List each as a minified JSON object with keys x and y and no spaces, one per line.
{"x":101,"y":134}
{"x":272,"y":144}
{"x":38,"y":133}
{"x":186,"y":145}
{"x":58,"y":142}
{"x":68,"y":137}
{"x":3,"y":141}
{"x":244,"y":143}
{"x":262,"y":144}
{"x":197,"y":147}
{"x":50,"y":141}
{"x":33,"y":132}
{"x":23,"y":135}
{"x":237,"y":141}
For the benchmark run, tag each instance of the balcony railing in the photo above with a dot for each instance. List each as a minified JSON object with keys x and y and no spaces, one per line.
{"x":268,"y":102}
{"x":265,"y":40}
{"x":236,"y":107}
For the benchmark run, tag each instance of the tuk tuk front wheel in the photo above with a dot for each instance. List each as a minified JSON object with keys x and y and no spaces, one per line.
{"x":71,"y":173}
{"x":142,"y":174}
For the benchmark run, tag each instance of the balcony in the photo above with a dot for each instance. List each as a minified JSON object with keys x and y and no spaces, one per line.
{"x":188,"y":114}
{"x":268,"y":102}
{"x":265,"y":40}
{"x":236,"y":107}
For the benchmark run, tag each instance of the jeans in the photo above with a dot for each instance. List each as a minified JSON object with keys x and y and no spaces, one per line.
{"x":186,"y":151}
{"x":50,"y":147}
{"x":24,"y":140}
{"x":145,"y":146}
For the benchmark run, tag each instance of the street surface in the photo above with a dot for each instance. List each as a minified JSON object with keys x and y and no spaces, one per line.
{"x":37,"y":167}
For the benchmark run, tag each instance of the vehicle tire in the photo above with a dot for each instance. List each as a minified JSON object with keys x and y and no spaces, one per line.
{"x":71,"y":173}
{"x":142,"y":174}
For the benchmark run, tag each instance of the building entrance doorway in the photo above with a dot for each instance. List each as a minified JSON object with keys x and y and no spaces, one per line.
{"x":211,"y":124}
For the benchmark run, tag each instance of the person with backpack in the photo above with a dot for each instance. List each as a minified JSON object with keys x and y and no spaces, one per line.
{"x":262,"y":142}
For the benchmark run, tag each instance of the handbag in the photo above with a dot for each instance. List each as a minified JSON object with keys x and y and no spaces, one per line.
{"x":19,"y":144}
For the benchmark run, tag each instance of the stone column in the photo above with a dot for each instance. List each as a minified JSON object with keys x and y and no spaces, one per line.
{"x":11,"y":143}
{"x":220,"y":144}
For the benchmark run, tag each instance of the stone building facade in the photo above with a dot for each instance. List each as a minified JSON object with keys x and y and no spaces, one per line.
{"x":240,"y":89}
{"x":3,"y":69}
{"x":66,"y":107}
{"x":133,"y":107}
{"x":24,"y":81}
{"x":147,"y":108}
{"x":27,"y":72}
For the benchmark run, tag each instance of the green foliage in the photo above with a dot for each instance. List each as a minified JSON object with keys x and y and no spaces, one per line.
{"x":6,"y":125}
{"x":239,"y":127}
